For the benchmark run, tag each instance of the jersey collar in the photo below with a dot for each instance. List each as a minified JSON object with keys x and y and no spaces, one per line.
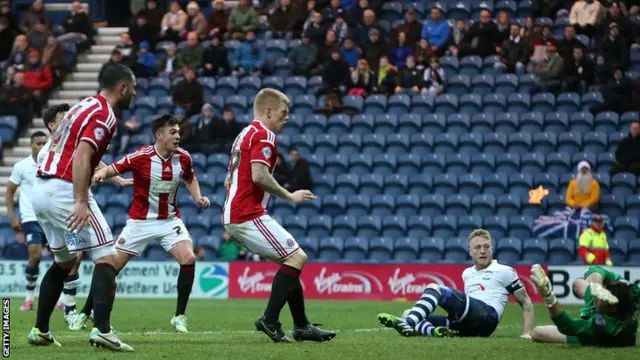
{"x":160,"y":156}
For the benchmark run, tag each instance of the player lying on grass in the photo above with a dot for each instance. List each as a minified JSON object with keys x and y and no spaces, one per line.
{"x":474,"y":312}
{"x":154,"y":216}
{"x":609,"y":317}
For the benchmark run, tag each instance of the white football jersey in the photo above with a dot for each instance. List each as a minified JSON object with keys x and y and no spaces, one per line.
{"x":24,"y":175}
{"x":492,"y":285}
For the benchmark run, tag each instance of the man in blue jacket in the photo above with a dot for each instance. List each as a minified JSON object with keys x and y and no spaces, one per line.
{"x":437,"y":31}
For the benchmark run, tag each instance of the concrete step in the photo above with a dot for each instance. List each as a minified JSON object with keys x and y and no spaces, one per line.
{"x":74,"y":94}
{"x":94,"y":58}
{"x":5,"y":172}
{"x":108,"y":40}
{"x":89,"y":67}
{"x":112,"y":31}
{"x":10,"y":160}
{"x":54,"y":102}
{"x":101,"y":49}
{"x":33,"y":129}
{"x":18,"y":151}
{"x":80,"y":85}
{"x":83,"y":76}
{"x":3,"y":210}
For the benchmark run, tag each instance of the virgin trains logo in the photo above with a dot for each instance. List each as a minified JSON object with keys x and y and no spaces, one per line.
{"x":414,"y":283}
{"x":257,"y":282}
{"x":347,"y":282}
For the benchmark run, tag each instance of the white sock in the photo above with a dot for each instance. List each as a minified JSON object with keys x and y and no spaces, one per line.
{"x":29,"y":295}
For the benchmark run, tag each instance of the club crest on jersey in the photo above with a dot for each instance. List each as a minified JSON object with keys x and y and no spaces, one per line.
{"x":121,"y":241}
{"x":98,"y":133}
{"x":290,"y":243}
{"x":600,"y":320}
{"x":266,"y":151}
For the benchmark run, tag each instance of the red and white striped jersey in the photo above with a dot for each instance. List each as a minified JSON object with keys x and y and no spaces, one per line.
{"x":155,"y":181}
{"x":91,"y":120}
{"x":245,"y":200}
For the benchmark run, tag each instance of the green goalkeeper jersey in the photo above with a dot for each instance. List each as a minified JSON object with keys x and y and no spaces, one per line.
{"x":598,"y":329}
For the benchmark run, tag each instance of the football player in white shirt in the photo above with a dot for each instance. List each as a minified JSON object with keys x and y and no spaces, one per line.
{"x":23,"y":176}
{"x":474,"y":312}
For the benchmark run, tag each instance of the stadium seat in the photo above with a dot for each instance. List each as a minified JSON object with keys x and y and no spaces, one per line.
{"x":444,"y":226}
{"x":283,"y":208}
{"x":434,"y":124}
{"x":421,"y":143}
{"x":406,"y":249}
{"x":432,"y":205}
{"x":569,"y":103}
{"x":482,"y":84}
{"x":634,"y":252}
{"x":526,"y":83}
{"x":385,"y":124}
{"x":520,"y":184}
{"x":531,"y":122}
{"x":319,"y":226}
{"x":506,"y":123}
{"x":606,"y":122}
{"x":422,"y":104}
{"x":482,"y":123}
{"x":398,"y":144}
{"x":520,"y":227}
{"x":211,"y":244}
{"x":633,"y":206}
{"x":457,"y":164}
{"x":445,"y":144}
{"x":349,"y":143}
{"x":532,"y":163}
{"x":399,"y":104}
{"x":519,"y":143}
{"x":346,"y":184}
{"x":561,"y":251}
{"x":456,"y":250}
{"x":470,"y":65}
{"x":433,"y":164}
{"x":595,"y":143}
{"x":409,"y":164}
{"x":249,"y":86}
{"x":623,"y":184}
{"x":227,"y":86}
{"x":544,"y":103}
{"x":432,"y":249}
{"x":331,"y":249}
{"x":362,"y":124}
{"x":627,"y":228}
{"x":344,"y":226}
{"x":394,"y":226}
{"x":534,"y":251}
{"x":459,"y":85}
{"x":482,"y":164}
{"x":470,"y":104}
{"x":468,"y":223}
{"x":483,"y":205}
{"x":508,"y":250}
{"x":356,"y":248}
{"x":581,"y":122}
{"x":339,"y":124}
{"x":382,"y":205}
{"x":324,"y":185}
{"x":495,"y":143}
{"x":381,"y":249}
{"x":446,"y":104}
{"x":558,"y":163}
{"x":384,"y":164}
{"x":304,"y":104}
{"x":470,"y":184}
{"x":519,"y":103}
{"x":336,"y":164}
{"x":375,"y":104}
{"x":494,"y":104}
{"x":309,"y":209}
{"x":470,"y":144}
{"x":395,"y":185}
{"x":420,"y":184}
{"x":296,"y":225}
{"x":409,"y":124}
{"x":497,"y":226}
{"x":445,"y":184}
{"x":457,"y":205}
{"x":618,"y":250}
{"x":508,"y":205}
{"x":371,"y":184}
{"x":356,"y":205}
{"x":569,"y":143}
{"x":310,"y":246}
{"x":369,"y":227}
{"x":495,"y":184}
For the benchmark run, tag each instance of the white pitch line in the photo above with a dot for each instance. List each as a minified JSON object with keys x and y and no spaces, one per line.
{"x":232,"y":332}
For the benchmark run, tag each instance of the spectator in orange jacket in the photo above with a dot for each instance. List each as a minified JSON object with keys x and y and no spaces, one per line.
{"x":37,"y":78}
{"x":593,"y":247}
{"x":583,"y":191}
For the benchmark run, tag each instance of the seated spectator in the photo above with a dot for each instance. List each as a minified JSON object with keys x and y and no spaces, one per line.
{"x":16,"y":100}
{"x":53,"y":56}
{"x":410,"y":78}
{"x":530,"y":30}
{"x":423,"y":54}
{"x":585,"y":16}
{"x":196,"y":22}
{"x":483,"y":36}
{"x":628,"y":152}
{"x":350,"y":52}
{"x":341,"y":28}
{"x":283,"y":19}
{"x":250,"y":56}
{"x":568,"y":43}
{"x":127,"y":50}
{"x":617,"y":94}
{"x":335,"y":73}
{"x":302,"y":58}
{"x":39,"y":79}
{"x":282,"y":172}
{"x":7,"y":38}
{"x":362,"y":80}
{"x":355,"y":14}
{"x":18,"y":57}
{"x":515,"y":51}
{"x":549,"y":71}
{"x":437,"y":31}
{"x":38,"y":36}
{"x":458,"y":42}
{"x":374,"y":49}
{"x":435,"y":78}
{"x":116,"y":58}
{"x":583,"y":192}
{"x":230,"y":250}
{"x":305,"y":13}
{"x":503,"y":27}
{"x":315,"y":29}
{"x":226,"y":131}
{"x":369,"y":22}
{"x":204,"y":131}
{"x":186,"y":130}
{"x":153,"y":15}
{"x":5,"y":12}
{"x":324,"y":51}
{"x":401,"y":51}
{"x":540,"y":42}
{"x":387,"y":77}
{"x":189,"y":93}
{"x":36,"y":15}
{"x":168,"y":66}
{"x":242,"y":20}
{"x":146,"y":62}
{"x":215,"y":59}
{"x":301,"y":179}
{"x":546,"y":8}
{"x":218,"y":20}
{"x":615,"y":15}
{"x":173,"y":23}
{"x":411,"y":27}
{"x":333,"y":105}
{"x":579,"y":71}
{"x":191,"y":55}
{"x":614,"y":48}
{"x":602,"y":73}
{"x":77,"y":25}
{"x":141,"y":31}
{"x":331,"y":13}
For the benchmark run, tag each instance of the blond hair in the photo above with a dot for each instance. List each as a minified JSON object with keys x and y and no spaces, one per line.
{"x":269,"y":98}
{"x":479,"y":233}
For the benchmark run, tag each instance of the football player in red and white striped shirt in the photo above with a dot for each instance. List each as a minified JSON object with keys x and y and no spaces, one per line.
{"x":249,"y":184}
{"x":154,"y":216}
{"x":68,"y":213}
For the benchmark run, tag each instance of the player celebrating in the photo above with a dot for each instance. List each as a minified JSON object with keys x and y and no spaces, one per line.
{"x":153,"y":216}
{"x":475,"y":312}
{"x":250,"y":184}
{"x":609,"y":317}
{"x":23,"y":176}
{"x":68,"y":213}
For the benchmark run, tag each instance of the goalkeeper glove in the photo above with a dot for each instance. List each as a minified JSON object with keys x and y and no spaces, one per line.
{"x":590,"y":257}
{"x":544,"y":285}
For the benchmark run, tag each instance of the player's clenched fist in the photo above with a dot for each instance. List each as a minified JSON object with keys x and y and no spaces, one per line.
{"x":204,"y":202}
{"x":302,"y":196}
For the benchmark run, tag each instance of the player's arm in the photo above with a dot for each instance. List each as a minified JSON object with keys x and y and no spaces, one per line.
{"x":524,"y":300}
{"x":193,"y":187}
{"x":9,"y":196}
{"x":115,"y":178}
{"x":82,"y":172}
{"x":262,"y":177}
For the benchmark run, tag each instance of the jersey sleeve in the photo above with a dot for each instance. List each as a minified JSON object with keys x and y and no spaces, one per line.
{"x":188,"y":174}
{"x":123,"y":165}
{"x":16,"y":176}
{"x":263,"y":146}
{"x":97,"y":134}
{"x":510,"y":280}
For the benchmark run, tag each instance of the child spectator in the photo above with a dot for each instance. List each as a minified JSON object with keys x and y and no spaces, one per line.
{"x":423,"y":54}
{"x":409,"y":78}
{"x":387,"y":77}
{"x":146,"y":64}
{"x":350,"y":52}
{"x":362,"y":79}
{"x":434,"y":78}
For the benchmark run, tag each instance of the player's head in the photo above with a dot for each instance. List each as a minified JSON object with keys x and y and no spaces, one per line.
{"x":38,"y":139}
{"x":480,"y":248}
{"x":624,"y":306}
{"x":167,"y":131}
{"x":119,"y":85}
{"x":53,"y":115}
{"x":272,"y":108}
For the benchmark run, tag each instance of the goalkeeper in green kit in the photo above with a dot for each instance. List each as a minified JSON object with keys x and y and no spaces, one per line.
{"x":609,"y":317}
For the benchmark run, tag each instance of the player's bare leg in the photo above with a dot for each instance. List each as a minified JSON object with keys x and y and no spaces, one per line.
{"x":548,"y":334}
{"x":31,"y":274}
{"x":183,"y":253}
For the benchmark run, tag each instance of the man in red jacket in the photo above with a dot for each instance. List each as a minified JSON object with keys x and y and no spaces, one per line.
{"x":38,"y":78}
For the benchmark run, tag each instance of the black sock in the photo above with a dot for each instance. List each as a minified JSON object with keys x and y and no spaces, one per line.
{"x":88,"y":305}
{"x":103,"y":286}
{"x":287,"y":277}
{"x":50,"y":290}
{"x":185,"y":283}
{"x":296,"y":303}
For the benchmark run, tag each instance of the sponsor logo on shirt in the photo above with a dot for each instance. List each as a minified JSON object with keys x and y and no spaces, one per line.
{"x":159,"y":186}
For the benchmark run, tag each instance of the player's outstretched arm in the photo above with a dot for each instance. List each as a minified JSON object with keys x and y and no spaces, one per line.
{"x":262,"y":177}
{"x":104,"y":173}
{"x":116,"y":179}
{"x":193,"y":187}
{"x":527,"y":312}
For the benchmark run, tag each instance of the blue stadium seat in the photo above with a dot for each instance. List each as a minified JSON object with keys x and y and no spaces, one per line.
{"x":556,"y":122}
{"x":275,"y":82}
{"x":494,"y":104}
{"x":198,"y":226}
{"x":459,"y":85}
{"x":421,"y":143}
{"x":508,"y":250}
{"x":446,"y":104}
{"x":519,"y":143}
{"x":548,"y":181}
{"x":482,"y":164}
{"x":420,"y":185}
{"x":249,"y":86}
{"x":595,"y":143}
{"x":295,"y":85}
{"x":626,"y":119}
{"x":570,"y":143}
{"x":615,"y":139}
{"x":362,"y":124}
{"x":419,"y":226}
{"x":444,"y":226}
{"x":356,"y":205}
{"x":159,"y":86}
{"x":356,"y":248}
{"x":561,"y":251}
{"x":371,"y":184}
{"x":314,"y":84}
{"x":422,"y":104}
{"x":532,"y":163}
{"x":495,"y":143}
{"x":382,"y":205}
{"x":339,"y":124}
{"x":458,"y":124}
{"x":506,"y":123}
{"x":445,"y":144}
{"x":482,"y":84}
{"x":310,"y":246}
{"x":508,"y":205}
{"x":532,"y":122}
{"x":431,"y":249}
{"x":304,"y":104}
{"x":324,"y":185}
{"x":526,"y":83}
{"x":612,"y":205}
{"x":555,"y":202}
{"x":394,"y":184}
{"x":331,"y":249}
{"x":633,"y":206}
{"x":604,"y":180}
{"x":468,"y":223}
{"x":470,"y":184}
{"x":606,"y":122}
{"x":380,"y":249}
{"x":544,"y":142}
{"x":369,"y":227}
{"x":319,"y":226}
{"x":283,"y":208}
{"x":482,"y":123}
{"x":432,"y":205}
{"x":349,"y":143}
{"x":394,"y":226}
{"x":483,"y":205}
{"x":634,"y":252}
{"x":520,"y":227}
{"x":581,"y":122}
{"x":457,"y":205}
{"x":519,"y":103}
{"x":457,"y":164}
{"x":445,"y":184}
{"x":568,"y":103}
{"x":384,"y":164}
{"x":558,"y":163}
{"x":346,"y":184}
{"x":497,"y":226}
{"x":211,"y":244}
{"x":618,"y":249}
{"x":409,"y":164}
{"x":433,"y":164}
{"x":627,"y":228}
{"x":409,"y":123}
{"x":434,"y":124}
{"x":588,"y":157}
{"x":495,"y":184}
{"x":375,"y":104}
{"x":309,"y":209}
{"x":623,"y":184}
{"x":237,"y":103}
{"x":118,"y":202}
{"x":456,"y":250}
{"x":407,"y":205}
{"x":399,"y":104}
{"x":325,"y":144}
{"x":406,"y":249}
{"x":227,"y":86}
{"x":336,"y":164}
{"x":385,"y":124}
{"x":450,"y":65}
{"x":470,"y":144}
{"x":344,"y":226}
{"x":470,"y":65}
{"x":296,"y":225}
{"x":534,"y":251}
{"x":520,"y":184}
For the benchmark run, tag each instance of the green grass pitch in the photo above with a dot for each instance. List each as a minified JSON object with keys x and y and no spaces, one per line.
{"x":223,"y":329}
